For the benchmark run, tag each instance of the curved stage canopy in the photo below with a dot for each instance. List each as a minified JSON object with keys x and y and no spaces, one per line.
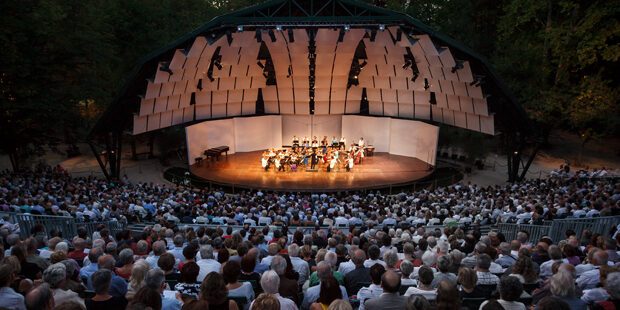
{"x":336,"y":57}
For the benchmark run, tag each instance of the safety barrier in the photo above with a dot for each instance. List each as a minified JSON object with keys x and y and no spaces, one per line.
{"x":66,"y":225}
{"x":558,"y":227}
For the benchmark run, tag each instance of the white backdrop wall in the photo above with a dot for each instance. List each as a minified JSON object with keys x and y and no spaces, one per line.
{"x":295,"y":125}
{"x":258,"y":133}
{"x":375,"y":130}
{"x":414,"y":139}
{"x":327,"y":125}
{"x":209,"y":134}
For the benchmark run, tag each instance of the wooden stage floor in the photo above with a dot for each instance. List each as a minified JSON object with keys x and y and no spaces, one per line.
{"x":244,"y":170}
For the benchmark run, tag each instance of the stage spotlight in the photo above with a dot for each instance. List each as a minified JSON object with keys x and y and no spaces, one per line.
{"x":381,"y":27}
{"x":399,"y":34}
{"x":347,"y":27}
{"x":291,"y":38}
{"x":355,"y":77}
{"x":260,"y":64}
{"x":239,"y":28}
{"x":258,"y":36}
{"x":279,"y":28}
{"x":272,"y":35}
{"x":363,"y":64}
{"x":426,"y":85}
{"x":217,"y":64}
{"x":210,"y":77}
{"x":407,"y":64}
{"x":341,"y":35}
{"x":199,"y":86}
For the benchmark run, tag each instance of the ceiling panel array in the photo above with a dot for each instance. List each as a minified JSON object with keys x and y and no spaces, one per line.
{"x":181,"y":90}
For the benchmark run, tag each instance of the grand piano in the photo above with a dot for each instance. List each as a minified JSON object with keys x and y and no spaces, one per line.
{"x":216,"y":152}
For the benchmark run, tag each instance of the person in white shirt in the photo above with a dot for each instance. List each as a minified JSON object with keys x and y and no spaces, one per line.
{"x":273,"y":250}
{"x":424,"y":287}
{"x":348,"y":266}
{"x":300,"y":265}
{"x":589,"y":279}
{"x":270,"y":282}
{"x":323,"y":270}
{"x":374,"y":290}
{"x":510,"y":290}
{"x":361,"y":143}
{"x":373,"y":253}
{"x":207,"y":264}
{"x":555,"y":253}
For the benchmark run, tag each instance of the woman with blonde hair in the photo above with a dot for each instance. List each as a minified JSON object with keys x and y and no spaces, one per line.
{"x":340,"y":304}
{"x":136,"y":280}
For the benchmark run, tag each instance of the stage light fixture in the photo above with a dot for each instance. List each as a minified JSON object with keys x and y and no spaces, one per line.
{"x":407,"y":64}
{"x":347,"y":27}
{"x":258,"y":36}
{"x":260,"y":64}
{"x":355,"y":77}
{"x":433,"y":100}
{"x":382,"y":27}
{"x":210,"y":77}
{"x":426,"y":85}
{"x":239,"y":28}
{"x":291,"y":38}
{"x":415,"y":76}
{"x":290,"y":71}
{"x":199,"y":86}
{"x":218,"y":65}
{"x":363,"y":64}
{"x":272,"y":35}
{"x":279,"y":28}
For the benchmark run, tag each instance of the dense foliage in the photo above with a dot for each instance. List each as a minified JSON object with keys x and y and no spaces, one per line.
{"x":61,"y":62}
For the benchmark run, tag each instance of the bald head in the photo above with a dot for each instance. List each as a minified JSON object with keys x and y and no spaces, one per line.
{"x":359,"y":256}
{"x":600,"y":258}
{"x":106,"y":262}
{"x":390,"y":282}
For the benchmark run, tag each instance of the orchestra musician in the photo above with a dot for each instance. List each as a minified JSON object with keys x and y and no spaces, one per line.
{"x":332,"y":164}
{"x":334,"y":142}
{"x":361,"y":143}
{"x":306,"y":142}
{"x":324,"y":141}
{"x":349,"y":163}
{"x":295,"y":141}
{"x":313,"y":160}
{"x":315,"y":142}
{"x":265,"y":161}
{"x":343,"y":143}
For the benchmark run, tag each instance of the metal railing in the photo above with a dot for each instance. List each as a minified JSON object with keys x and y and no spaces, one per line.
{"x":66,"y":225}
{"x":557,"y":228}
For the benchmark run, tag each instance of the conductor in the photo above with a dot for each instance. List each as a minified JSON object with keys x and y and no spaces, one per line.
{"x":313,"y":160}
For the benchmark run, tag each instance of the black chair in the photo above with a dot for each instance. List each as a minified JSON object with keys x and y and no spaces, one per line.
{"x":404,"y":288}
{"x":472,"y":303}
{"x":490,"y":290}
{"x":89,"y":293}
{"x":240,"y":300}
{"x":530,"y":287}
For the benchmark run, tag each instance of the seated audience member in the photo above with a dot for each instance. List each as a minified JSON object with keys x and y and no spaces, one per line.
{"x":483,"y":262}
{"x":523,"y":269}
{"x":125,"y":260}
{"x":552,"y":303}
{"x":328,"y":293}
{"x":467,"y":278}
{"x":188,"y":284}
{"x":590,"y":278}
{"x":443,"y":264}
{"x":448,"y":297}
{"x":612,"y":285}
{"x":147,"y":297}
{"x":288,"y":286}
{"x":562,"y":287}
{"x":417,"y":302}
{"x":425,"y":281}
{"x":119,"y":285}
{"x":374,"y":290}
{"x":136,"y":280}
{"x":207,"y":263}
{"x":213,"y":290}
{"x":101,"y":281}
{"x":166,"y":263}
{"x":156,"y":280}
{"x":390,"y":299}
{"x":359,"y":274}
{"x":311,"y":295}
{"x":598,"y":294}
{"x":40,"y":298}
{"x":28,"y":270}
{"x":406,"y":268}
{"x":231,"y":272}
{"x":510,"y":289}
{"x":270,"y":283}
{"x":55,"y":275}
{"x":9,"y":299}
{"x":248,"y":263}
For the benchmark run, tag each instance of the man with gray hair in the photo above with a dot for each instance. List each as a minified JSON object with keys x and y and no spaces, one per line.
{"x":591,"y":278}
{"x":323,"y":270}
{"x":483,"y":263}
{"x":177,"y":251}
{"x":443,"y":265}
{"x":555,"y":253}
{"x":40,"y":298}
{"x":300,"y":265}
{"x":348,"y":266}
{"x":159,"y":248}
{"x":270,"y":282}
{"x":273,"y":250}
{"x":562,"y":287}
{"x":207,"y":264}
{"x":56,"y":275}
{"x":507,"y":259}
{"x":155,"y":279}
{"x":288,"y":287}
{"x":359,"y":274}
{"x":332,"y":259}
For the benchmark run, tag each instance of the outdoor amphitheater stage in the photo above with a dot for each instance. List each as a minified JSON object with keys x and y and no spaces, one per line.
{"x":244,"y":170}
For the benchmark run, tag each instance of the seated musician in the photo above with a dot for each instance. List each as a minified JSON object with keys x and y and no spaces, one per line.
{"x":324,"y":141}
{"x":277,"y":163}
{"x":361,"y":143}
{"x":265,"y":161}
{"x":332,"y":164}
{"x":315,"y":143}
{"x":335,"y":141}
{"x":343,"y":143}
{"x":306,"y":142}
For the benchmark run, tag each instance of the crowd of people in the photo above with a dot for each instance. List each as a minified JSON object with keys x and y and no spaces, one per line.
{"x":376,"y":252}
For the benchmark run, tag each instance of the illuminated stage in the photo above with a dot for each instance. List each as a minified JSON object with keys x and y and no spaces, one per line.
{"x":243,"y":169}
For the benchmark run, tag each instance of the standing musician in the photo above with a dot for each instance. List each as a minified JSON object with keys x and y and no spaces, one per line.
{"x":332,"y":164}
{"x":265,"y":160}
{"x":349,"y":163}
{"x":313,"y":160}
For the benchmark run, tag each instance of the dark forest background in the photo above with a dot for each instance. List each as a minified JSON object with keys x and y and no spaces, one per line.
{"x":62,"y":62}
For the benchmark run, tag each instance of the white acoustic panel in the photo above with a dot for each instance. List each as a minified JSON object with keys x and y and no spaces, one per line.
{"x":390,"y":109}
{"x":448,"y":116}
{"x":160,"y":104}
{"x":152,"y":90}
{"x":139,"y":124}
{"x":166,"y":119}
{"x":153,"y":122}
{"x":287,"y":107}
{"x":405,"y":110}
{"x":421,"y":98}
{"x":173,"y":102}
{"x":474,"y":91}
{"x":219,"y":97}
{"x":437,"y":113}
{"x":177,"y":117}
{"x":199,"y":44}
{"x":460,"y":89}
{"x":465,"y":74}
{"x":218,"y":110}
{"x":188,"y":114}
{"x":460,"y":119}
{"x":382,"y":82}
{"x":203,"y":98}
{"x":423,"y":111}
{"x":184,"y":101}
{"x":235,"y":96}
{"x":146,"y":106}
{"x":336,"y":107}
{"x":203,"y":112}
{"x":180,"y":87}
{"x":480,"y":107}
{"x":388,"y":95}
{"x":487,"y":125}
{"x":233,"y":109}
{"x":446,"y":87}
{"x":442,"y":100}
{"x":398,"y":82}
{"x":454,"y":103}
{"x":466,"y":104}
{"x":447,"y":60}
{"x":473,"y":122}
{"x":375,"y":107}
{"x":161,"y":76}
{"x":321,"y":107}
{"x":354,"y":97}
